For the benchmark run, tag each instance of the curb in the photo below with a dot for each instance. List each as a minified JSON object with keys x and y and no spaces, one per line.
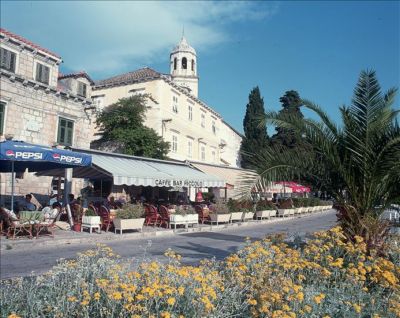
{"x":6,"y":244}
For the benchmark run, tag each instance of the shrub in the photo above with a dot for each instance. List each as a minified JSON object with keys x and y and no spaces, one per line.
{"x":130,"y":211}
{"x":326,"y":277}
{"x":263,"y":205}
{"x":90,"y":212}
{"x":219,"y":208}
{"x":286,"y":204}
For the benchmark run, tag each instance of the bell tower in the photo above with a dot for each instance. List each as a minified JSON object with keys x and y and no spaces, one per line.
{"x":183,"y":61}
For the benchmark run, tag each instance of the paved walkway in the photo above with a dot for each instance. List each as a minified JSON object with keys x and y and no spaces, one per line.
{"x":23,"y":257}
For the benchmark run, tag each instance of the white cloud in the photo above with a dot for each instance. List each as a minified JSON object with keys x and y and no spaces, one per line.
{"x":105,"y":37}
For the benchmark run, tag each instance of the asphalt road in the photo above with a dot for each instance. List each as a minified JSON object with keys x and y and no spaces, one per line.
{"x":193,"y":246}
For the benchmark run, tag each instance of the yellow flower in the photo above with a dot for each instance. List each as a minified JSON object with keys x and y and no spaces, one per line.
{"x":300,"y":296}
{"x":319,"y":298}
{"x":165,"y":314}
{"x":307,"y":308}
{"x":13,"y":315}
{"x":116,"y":296}
{"x":96,"y":296}
{"x":71,"y":299}
{"x":357,"y":308}
{"x":252,"y":302}
{"x":84,"y":303}
{"x":171,"y":301}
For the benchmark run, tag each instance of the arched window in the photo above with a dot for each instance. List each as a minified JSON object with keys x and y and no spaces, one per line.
{"x":175,"y":62}
{"x":184,"y":63}
{"x":193,"y":65}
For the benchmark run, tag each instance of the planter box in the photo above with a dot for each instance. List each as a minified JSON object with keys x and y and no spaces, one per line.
{"x":265,"y":214}
{"x":247,"y":216}
{"x":220,"y":218}
{"x":236,"y":216}
{"x":91,"y":220}
{"x":128,"y":224}
{"x":284,"y":212}
{"x":177,"y":219}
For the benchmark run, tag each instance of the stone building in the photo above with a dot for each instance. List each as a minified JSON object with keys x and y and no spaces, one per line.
{"x":39,"y":105}
{"x":193,"y":128}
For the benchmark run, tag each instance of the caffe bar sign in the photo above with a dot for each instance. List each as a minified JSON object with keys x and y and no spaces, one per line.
{"x":178,"y":183}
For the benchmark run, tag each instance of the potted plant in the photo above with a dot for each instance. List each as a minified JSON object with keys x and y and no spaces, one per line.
{"x":247,"y":209}
{"x":90,"y":217}
{"x":220,"y":213}
{"x":235,"y":209}
{"x":286,"y":208}
{"x":184,"y":214}
{"x":77,"y":212}
{"x":265,"y":209}
{"x":130,"y":217}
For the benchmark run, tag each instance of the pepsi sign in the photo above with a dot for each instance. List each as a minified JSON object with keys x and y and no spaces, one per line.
{"x":24,"y":155}
{"x":68,"y":159}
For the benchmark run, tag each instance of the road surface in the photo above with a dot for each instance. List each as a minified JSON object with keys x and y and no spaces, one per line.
{"x":193,"y":246}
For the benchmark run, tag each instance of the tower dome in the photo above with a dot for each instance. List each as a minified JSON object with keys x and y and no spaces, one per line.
{"x":183,"y":65}
{"x":183,"y":46}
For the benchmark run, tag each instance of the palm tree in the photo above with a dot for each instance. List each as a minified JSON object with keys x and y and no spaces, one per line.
{"x":358,"y":160}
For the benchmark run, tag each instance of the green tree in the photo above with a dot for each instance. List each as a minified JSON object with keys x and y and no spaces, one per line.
{"x":122,"y":130}
{"x":288,"y":138}
{"x":255,"y":136}
{"x":359,"y":160}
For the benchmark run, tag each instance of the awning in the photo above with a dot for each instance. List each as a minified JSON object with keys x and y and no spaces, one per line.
{"x":236,"y":178}
{"x":140,"y":171}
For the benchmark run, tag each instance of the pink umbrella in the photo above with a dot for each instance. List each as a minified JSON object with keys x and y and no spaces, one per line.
{"x":296,"y":188}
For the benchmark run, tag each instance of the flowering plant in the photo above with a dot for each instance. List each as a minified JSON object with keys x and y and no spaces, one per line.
{"x":130,"y":211}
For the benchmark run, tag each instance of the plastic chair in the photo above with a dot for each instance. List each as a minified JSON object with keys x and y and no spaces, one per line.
{"x":164,"y":214}
{"x":203,"y":213}
{"x":106,"y":222}
{"x":151,"y":215}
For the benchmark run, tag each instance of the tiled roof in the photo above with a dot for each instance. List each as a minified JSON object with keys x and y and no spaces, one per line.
{"x":27,"y":42}
{"x":142,"y":74}
{"x":76,"y":75}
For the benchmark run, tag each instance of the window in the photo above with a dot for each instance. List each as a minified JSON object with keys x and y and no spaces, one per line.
{"x":98,"y":102}
{"x":174,"y":144}
{"x":42,"y":73}
{"x":190,"y":112}
{"x":203,"y":120}
{"x":65,"y":132}
{"x":213,"y":155}
{"x":175,"y":104}
{"x":190,"y":148}
{"x":8,"y":59}
{"x":2,"y":116}
{"x":175,"y":63}
{"x":184,"y":63}
{"x":193,"y":65}
{"x":213,"y":127}
{"x":82,"y":89}
{"x":203,"y":153}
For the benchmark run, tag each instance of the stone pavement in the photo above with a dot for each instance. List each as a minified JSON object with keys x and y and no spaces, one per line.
{"x":36,"y":257}
{"x":71,"y":237}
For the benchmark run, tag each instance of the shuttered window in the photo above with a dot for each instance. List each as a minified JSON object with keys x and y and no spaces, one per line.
{"x":42,"y":73}
{"x":8,"y":59}
{"x":81,"y":89}
{"x":2,"y":115}
{"x":65,"y":132}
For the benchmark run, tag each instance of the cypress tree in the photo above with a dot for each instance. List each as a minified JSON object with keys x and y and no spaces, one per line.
{"x":291,"y":103}
{"x":255,"y":136}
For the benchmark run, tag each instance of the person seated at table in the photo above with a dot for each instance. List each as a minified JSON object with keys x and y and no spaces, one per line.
{"x":71,"y":199}
{"x":111,"y":203}
{"x":27,"y":205}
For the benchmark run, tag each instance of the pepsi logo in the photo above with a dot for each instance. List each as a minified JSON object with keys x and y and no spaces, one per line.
{"x":10,"y":153}
{"x":56,"y":156}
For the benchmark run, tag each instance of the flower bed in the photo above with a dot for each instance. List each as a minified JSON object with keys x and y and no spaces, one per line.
{"x":327,"y":277}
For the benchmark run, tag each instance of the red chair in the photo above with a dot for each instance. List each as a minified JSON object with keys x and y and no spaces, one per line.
{"x":203,"y":213}
{"x":106,"y":222}
{"x":151,"y":215}
{"x":164,"y":214}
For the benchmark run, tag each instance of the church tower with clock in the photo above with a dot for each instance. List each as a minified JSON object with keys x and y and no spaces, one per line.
{"x":183,"y":67}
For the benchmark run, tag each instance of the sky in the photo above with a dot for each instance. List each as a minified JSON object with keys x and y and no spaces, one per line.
{"x":317,"y":48}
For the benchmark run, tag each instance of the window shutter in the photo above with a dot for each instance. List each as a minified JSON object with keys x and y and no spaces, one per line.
{"x":2,"y":118}
{"x":46,"y":74}
{"x":38,"y":72}
{"x":84,"y":90}
{"x":12,"y":61}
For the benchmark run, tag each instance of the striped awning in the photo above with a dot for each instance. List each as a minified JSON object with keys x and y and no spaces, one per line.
{"x":130,"y":170}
